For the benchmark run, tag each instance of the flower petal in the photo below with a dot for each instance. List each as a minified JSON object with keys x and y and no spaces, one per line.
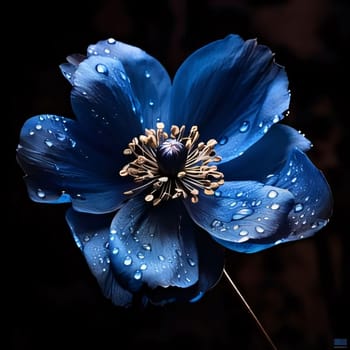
{"x":242,"y":211}
{"x":233,"y":90}
{"x":153,"y":245}
{"x":313,"y":197}
{"x":91,"y":234}
{"x":104,"y":103}
{"x":266,"y":156}
{"x":210,"y":272}
{"x":62,"y":166}
{"x":149,"y":80}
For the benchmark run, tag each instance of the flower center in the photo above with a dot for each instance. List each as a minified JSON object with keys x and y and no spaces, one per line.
{"x":172,"y":166}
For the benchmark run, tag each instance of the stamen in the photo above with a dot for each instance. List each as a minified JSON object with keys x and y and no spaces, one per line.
{"x":172,"y":167}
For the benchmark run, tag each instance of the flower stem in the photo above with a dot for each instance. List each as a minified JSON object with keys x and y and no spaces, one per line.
{"x":273,"y":346}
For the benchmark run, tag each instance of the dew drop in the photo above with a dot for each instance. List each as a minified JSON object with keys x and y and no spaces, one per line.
{"x":147,"y":246}
{"x":151,"y":103}
{"x":191,"y":262}
{"x":48,"y":143}
{"x":275,"y":206}
{"x":242,"y":213}
{"x":31,"y":133}
{"x":80,"y":196}
{"x":217,"y":193}
{"x":123,"y":76}
{"x":107,"y":51}
{"x":72,"y":143}
{"x":223,"y":140}
{"x":140,"y":255}
{"x":60,"y":136}
{"x":38,"y":126}
{"x":216,"y":223}
{"x":259,"y":229}
{"x":272,"y":194}
{"x":138,"y":275}
{"x":147,"y":74}
{"x":276,"y":119}
{"x":161,"y":257}
{"x":244,"y":127}
{"x":127,"y":261}
{"x":243,"y":232}
{"x":67,"y":75}
{"x":101,"y":68}
{"x":298,"y":207}
{"x":143,"y":267}
{"x":40,"y":193}
{"x":111,"y":41}
{"x":115,"y":251}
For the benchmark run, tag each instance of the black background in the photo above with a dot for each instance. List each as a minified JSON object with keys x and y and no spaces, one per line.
{"x":299,"y":291}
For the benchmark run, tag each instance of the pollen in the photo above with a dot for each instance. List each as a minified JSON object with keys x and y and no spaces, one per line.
{"x":171,"y":165}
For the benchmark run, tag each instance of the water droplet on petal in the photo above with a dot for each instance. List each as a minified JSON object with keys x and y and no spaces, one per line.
{"x":298,"y":207}
{"x":111,"y":41}
{"x":161,"y":257}
{"x":244,"y":127}
{"x":79,"y":196}
{"x":48,"y":143}
{"x":216,"y":223}
{"x":115,"y":251}
{"x":223,"y":140}
{"x":72,"y":143}
{"x":123,"y":76}
{"x":242,"y":213}
{"x":178,"y":252}
{"x":140,"y":255}
{"x":60,"y":136}
{"x":127,"y":261}
{"x":40,"y":193}
{"x":272,"y":194}
{"x":143,"y":267}
{"x":147,"y":74}
{"x":101,"y":68}
{"x":259,"y":229}
{"x":138,"y":275}
{"x":147,"y":247}
{"x":38,"y":126}
{"x":191,"y":262}
{"x":243,"y":232}
{"x":276,"y":119}
{"x":275,"y":206}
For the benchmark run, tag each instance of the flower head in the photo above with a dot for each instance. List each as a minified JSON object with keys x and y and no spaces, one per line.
{"x":163,"y":176}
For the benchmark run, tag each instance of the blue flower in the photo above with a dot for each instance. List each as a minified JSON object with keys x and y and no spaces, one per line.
{"x":165,"y":176}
